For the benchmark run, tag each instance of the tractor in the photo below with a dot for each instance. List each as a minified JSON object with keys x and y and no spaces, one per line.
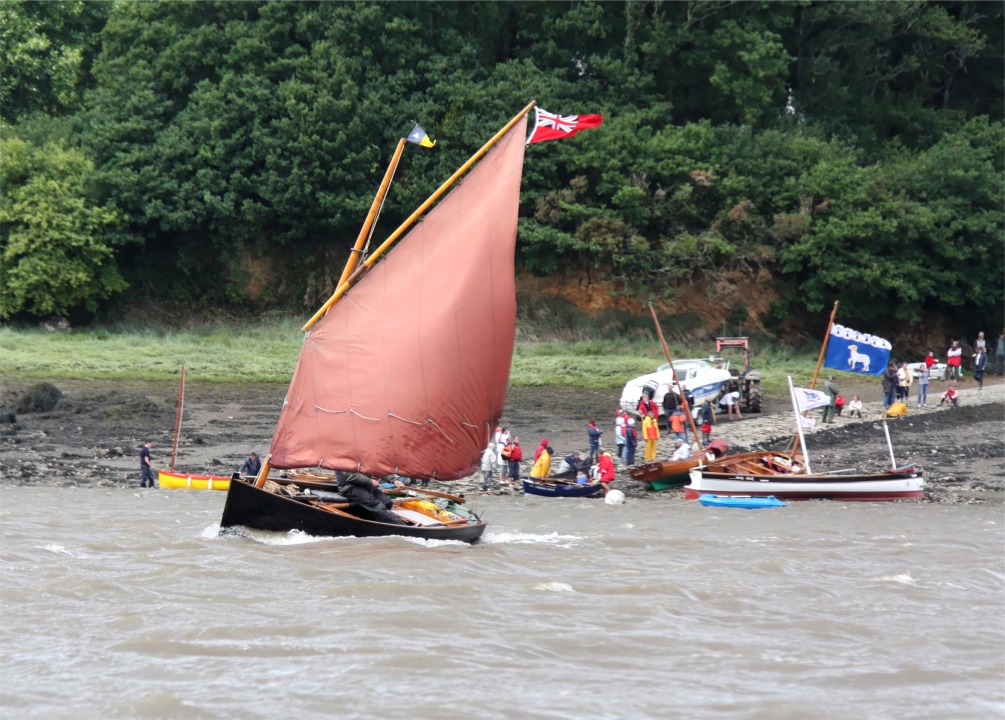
{"x":747,"y":381}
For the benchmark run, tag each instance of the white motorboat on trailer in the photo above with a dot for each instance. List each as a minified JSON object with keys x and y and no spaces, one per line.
{"x":703,"y":378}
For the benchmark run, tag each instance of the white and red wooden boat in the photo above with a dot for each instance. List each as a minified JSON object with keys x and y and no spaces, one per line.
{"x":788,"y":475}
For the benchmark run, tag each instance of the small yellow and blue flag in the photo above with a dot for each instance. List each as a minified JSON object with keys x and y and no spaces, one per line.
{"x":419,"y":137}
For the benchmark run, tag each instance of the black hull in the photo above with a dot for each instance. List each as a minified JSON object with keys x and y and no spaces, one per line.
{"x":530,"y":487}
{"x":252,"y":507}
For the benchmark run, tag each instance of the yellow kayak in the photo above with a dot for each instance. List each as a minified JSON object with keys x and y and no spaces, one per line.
{"x":176,"y":479}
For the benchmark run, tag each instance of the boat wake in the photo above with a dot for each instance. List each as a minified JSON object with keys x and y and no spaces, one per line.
{"x":521,"y":538}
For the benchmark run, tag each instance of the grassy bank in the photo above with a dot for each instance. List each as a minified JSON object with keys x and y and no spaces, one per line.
{"x":267,"y":352}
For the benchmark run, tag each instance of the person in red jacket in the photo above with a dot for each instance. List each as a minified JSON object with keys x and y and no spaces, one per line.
{"x":540,"y":449}
{"x":515,"y":456}
{"x":605,"y":467}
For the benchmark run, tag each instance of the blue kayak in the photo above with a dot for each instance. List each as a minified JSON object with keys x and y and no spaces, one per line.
{"x":740,"y":501}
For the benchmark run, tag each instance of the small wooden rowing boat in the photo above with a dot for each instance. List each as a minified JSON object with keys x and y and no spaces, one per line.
{"x":674,"y":473}
{"x":555,"y":487}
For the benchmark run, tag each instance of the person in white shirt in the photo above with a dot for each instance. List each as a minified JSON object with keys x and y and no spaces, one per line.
{"x":682,"y":451}
{"x":731,"y":403}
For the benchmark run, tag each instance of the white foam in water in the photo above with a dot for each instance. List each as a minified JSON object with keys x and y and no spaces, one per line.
{"x":57,"y":549}
{"x":526,"y":538}
{"x":268,"y":537}
{"x":903,"y":578}
{"x":554,"y":587}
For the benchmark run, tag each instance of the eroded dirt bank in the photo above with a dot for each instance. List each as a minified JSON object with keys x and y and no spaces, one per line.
{"x":91,"y":436}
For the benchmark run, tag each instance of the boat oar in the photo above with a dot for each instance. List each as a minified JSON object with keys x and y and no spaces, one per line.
{"x":433,"y":493}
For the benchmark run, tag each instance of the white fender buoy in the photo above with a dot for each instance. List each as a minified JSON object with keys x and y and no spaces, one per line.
{"x":614,"y":497}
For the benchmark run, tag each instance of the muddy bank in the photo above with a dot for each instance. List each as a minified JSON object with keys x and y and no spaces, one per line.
{"x":91,"y":435}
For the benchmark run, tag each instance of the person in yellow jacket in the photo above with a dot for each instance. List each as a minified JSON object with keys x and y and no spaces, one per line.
{"x":650,"y":433}
{"x":542,"y":466}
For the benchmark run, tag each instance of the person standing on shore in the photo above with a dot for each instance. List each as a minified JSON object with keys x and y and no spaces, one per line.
{"x":605,"y":471}
{"x":488,"y":465}
{"x":954,"y":358}
{"x":501,"y":441}
{"x":146,"y":465}
{"x":515,"y":456}
{"x":619,"y":432}
{"x":670,"y":403}
{"x":924,"y":375}
{"x":631,"y":442}
{"x":593,"y":434}
{"x":678,"y":425}
{"x":707,"y":415}
{"x":980,"y":365}
{"x":1000,"y":354}
{"x":651,"y":434}
{"x":889,"y":384}
{"x":904,"y":380}
{"x":980,"y":343}
{"x":832,"y":392}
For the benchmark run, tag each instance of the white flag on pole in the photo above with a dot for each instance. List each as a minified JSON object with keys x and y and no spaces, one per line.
{"x":808,"y":422}
{"x":808,"y":399}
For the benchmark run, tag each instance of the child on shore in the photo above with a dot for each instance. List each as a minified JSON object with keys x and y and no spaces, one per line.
{"x":855,"y":407}
{"x":951,"y":396}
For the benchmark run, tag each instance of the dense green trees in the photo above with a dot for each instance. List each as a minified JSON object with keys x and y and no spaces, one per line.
{"x":58,"y":239}
{"x":851,"y":150}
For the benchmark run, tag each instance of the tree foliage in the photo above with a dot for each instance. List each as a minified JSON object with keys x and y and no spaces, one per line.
{"x":54,"y":234}
{"x":847,"y":149}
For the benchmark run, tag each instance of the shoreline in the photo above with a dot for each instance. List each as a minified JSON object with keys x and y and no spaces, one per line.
{"x":91,"y":437}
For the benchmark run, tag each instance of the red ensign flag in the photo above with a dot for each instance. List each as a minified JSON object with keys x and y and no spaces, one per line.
{"x":549,"y":126}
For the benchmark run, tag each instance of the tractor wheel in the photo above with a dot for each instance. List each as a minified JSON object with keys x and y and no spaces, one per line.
{"x":754,"y":399}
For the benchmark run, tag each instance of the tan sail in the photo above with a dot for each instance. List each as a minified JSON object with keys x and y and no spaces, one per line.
{"x":407,"y":373}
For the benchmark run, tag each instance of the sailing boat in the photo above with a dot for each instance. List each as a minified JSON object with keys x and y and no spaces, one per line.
{"x":404,"y":370}
{"x":175,"y":479}
{"x":788,"y":474}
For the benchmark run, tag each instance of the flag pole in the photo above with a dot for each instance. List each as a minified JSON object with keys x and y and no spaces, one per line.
{"x":673,"y":373}
{"x":820,"y":359}
{"x":368,"y":263}
{"x":889,"y":444}
{"x":823,"y":348}
{"x":799,"y":426}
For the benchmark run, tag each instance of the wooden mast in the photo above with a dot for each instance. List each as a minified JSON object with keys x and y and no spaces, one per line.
{"x":680,"y":390}
{"x":823,"y":348}
{"x":177,"y":416}
{"x":368,"y":263}
{"x":364,"y":233}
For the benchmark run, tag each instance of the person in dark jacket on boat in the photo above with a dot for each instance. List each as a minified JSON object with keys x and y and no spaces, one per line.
{"x":365,"y":493}
{"x":251,"y":465}
{"x":146,"y":465}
